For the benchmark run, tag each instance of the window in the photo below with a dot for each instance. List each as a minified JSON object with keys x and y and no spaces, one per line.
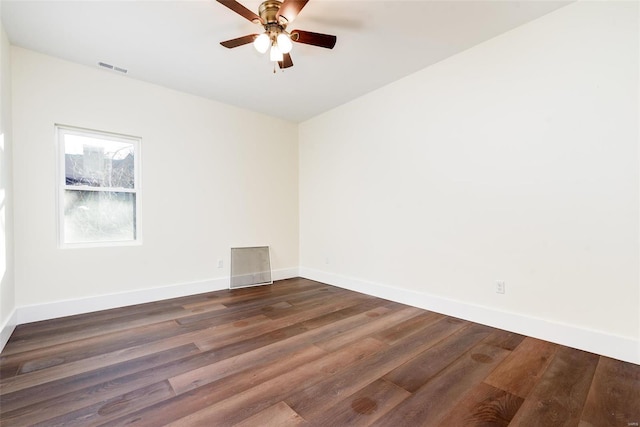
{"x":99,"y":187}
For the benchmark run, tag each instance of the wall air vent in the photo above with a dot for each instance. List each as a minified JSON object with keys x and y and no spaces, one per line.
{"x":250,"y":267}
{"x":113,"y":67}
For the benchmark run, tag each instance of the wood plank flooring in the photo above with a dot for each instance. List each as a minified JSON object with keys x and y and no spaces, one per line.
{"x":301,"y":353}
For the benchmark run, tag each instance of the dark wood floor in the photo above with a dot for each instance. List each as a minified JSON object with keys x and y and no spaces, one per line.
{"x":301,"y":352}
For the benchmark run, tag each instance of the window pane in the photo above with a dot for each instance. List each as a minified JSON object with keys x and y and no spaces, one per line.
{"x":99,"y":216}
{"x":98,"y":162}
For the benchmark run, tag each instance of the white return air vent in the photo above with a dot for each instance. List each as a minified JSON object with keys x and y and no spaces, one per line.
{"x":250,"y":267}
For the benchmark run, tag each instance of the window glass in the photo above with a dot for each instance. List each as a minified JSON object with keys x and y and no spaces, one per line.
{"x":98,"y":163}
{"x":99,"y":216}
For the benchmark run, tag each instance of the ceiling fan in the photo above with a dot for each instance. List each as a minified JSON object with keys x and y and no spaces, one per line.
{"x":274,"y":16}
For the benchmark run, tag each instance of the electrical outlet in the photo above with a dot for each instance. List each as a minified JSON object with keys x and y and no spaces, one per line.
{"x":326,"y":260}
{"x":220,"y":263}
{"x":500,"y":287}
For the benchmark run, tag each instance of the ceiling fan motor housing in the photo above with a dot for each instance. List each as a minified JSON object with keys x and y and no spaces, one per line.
{"x":268,"y":11}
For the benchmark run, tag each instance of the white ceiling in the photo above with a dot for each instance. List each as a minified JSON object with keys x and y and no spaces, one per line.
{"x":176,"y":44}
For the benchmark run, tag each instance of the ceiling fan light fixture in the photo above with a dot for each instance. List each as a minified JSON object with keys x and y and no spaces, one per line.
{"x":284,"y":43}
{"x":275,"y":54}
{"x":262,"y":42}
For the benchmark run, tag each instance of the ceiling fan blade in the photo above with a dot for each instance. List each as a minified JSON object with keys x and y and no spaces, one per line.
{"x":289,"y":9}
{"x":315,"y":39}
{"x":241,"y":10}
{"x":286,"y":61}
{"x":239,"y":41}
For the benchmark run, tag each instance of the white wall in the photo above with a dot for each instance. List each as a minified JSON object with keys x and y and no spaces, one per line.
{"x":7,"y":284}
{"x":516,"y":160}
{"x":213,"y":177}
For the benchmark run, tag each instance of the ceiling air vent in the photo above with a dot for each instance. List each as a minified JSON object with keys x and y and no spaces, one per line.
{"x":113,"y":67}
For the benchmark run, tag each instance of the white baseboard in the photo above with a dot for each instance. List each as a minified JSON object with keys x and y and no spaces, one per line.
{"x":285,"y":273}
{"x":617,"y":347}
{"x":52,"y":310}
{"x":7,"y":329}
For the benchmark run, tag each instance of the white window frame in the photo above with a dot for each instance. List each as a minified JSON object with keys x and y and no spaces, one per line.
{"x":61,"y":184}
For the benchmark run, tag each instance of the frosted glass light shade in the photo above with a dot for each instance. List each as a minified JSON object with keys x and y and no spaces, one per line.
{"x":275,"y":54}
{"x":284,"y":43}
{"x":262,"y":42}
